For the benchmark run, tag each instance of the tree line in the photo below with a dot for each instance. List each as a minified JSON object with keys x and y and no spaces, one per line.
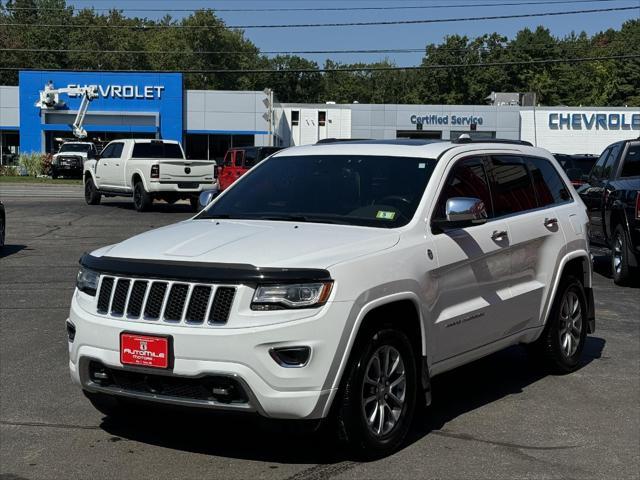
{"x":602,"y":83}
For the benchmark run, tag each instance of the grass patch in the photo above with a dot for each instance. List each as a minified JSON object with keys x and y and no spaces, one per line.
{"x":48,"y":181}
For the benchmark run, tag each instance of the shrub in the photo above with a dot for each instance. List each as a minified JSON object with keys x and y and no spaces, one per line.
{"x":9,"y":171}
{"x":32,"y":163}
{"x":45,"y":163}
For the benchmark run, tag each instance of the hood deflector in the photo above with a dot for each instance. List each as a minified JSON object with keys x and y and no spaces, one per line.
{"x":202,"y":272}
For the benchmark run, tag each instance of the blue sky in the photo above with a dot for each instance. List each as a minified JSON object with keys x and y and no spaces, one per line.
{"x":372,"y":37}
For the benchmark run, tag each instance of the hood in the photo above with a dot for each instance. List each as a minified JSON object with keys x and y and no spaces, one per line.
{"x":70,"y":154}
{"x":259,"y":243}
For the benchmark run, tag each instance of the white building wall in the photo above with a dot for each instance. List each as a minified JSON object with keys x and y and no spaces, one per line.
{"x":9,"y":107}
{"x":581,"y":130}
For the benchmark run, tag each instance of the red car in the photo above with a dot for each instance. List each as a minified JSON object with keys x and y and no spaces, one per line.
{"x":239,"y":161}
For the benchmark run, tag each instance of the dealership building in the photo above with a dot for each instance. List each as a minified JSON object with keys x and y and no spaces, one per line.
{"x":208,"y":122}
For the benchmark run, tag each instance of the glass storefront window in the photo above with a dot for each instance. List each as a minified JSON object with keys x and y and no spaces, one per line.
{"x":475,"y":134}
{"x":214,"y":147}
{"x":9,"y":147}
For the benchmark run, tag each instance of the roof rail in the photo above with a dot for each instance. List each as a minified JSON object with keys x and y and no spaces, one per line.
{"x":336,"y":140}
{"x":492,"y":140}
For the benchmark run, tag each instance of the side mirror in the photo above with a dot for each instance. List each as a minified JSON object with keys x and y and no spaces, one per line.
{"x":463,"y":212}
{"x":97,"y":157}
{"x":206,"y":198}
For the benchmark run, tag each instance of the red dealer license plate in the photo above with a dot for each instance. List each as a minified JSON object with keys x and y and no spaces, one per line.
{"x":144,"y":350}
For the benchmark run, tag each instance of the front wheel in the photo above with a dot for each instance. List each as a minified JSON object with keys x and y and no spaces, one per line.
{"x":91,"y":194}
{"x":562,"y":341}
{"x":142,"y":200}
{"x":376,"y":402}
{"x":620,"y":268}
{"x":108,"y":405}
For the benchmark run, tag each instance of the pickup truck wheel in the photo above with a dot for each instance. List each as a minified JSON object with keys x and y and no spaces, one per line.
{"x":620,"y":257}
{"x":141,"y":199}
{"x":377,"y":399}
{"x":91,"y":194}
{"x":562,"y":341}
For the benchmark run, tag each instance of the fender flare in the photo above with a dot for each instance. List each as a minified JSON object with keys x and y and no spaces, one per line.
{"x":560,"y":270}
{"x":91,"y":174}
{"x":359,"y":314}
{"x":139,"y":173}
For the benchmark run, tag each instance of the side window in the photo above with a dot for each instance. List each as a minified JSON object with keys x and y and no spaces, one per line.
{"x":598,"y":168}
{"x":106,"y":153}
{"x":631,"y":166}
{"x":466,"y":179}
{"x":228,"y":158}
{"x":117,"y":150}
{"x":549,"y":186}
{"x":239,"y":158}
{"x":611,"y":161}
{"x":250,"y":158}
{"x":511,"y":187}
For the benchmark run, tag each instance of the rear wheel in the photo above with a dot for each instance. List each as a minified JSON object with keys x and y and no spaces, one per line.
{"x":142,"y":200}
{"x":620,"y":268}
{"x":562,"y":341}
{"x":376,"y":402}
{"x":195,"y":206}
{"x":91,"y":194}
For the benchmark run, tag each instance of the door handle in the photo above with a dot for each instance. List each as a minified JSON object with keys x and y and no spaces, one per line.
{"x":499,"y":236}
{"x":104,"y":164}
{"x":550,"y":222}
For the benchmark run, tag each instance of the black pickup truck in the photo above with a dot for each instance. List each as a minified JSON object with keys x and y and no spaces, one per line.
{"x":611,"y":193}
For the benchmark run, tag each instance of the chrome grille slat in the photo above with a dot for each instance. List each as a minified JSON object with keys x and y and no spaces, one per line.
{"x":171,"y":302}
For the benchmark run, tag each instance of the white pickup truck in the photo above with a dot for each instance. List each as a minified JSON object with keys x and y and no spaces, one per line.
{"x":147,"y":170}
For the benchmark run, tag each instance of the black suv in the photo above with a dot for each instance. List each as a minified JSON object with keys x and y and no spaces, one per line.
{"x":612,"y":196}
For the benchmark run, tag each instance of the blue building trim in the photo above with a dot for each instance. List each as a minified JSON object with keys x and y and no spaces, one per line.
{"x":104,"y":128}
{"x":228,"y":132}
{"x":118,"y":93}
{"x":9,"y":127}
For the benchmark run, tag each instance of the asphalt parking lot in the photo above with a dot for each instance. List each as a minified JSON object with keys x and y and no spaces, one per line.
{"x":500,"y":417}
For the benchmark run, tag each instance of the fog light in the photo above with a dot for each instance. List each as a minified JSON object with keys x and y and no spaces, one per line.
{"x":71,"y":331}
{"x":99,"y":374}
{"x":291,"y":357}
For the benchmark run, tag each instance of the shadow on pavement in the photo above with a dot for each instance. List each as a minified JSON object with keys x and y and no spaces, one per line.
{"x":487,"y":380}
{"x":249,"y":437}
{"x":182,"y":207}
{"x":7,"y":250}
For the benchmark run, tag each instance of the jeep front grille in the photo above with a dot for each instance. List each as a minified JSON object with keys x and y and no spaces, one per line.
{"x":167,"y":301}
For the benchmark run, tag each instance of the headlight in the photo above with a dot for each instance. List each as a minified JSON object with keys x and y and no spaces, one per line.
{"x":87,"y":281}
{"x":303,"y":295}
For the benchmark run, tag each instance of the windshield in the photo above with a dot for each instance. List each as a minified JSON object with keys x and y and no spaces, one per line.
{"x":373,"y":191}
{"x":75,"y":147}
{"x":157,"y":150}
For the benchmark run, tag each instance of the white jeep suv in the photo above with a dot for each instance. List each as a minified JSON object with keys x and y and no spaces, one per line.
{"x":334,"y":281}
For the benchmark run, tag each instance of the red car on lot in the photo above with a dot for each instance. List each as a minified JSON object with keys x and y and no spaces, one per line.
{"x":239,"y":161}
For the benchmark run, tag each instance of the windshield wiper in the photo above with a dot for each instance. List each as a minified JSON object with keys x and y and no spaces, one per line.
{"x":296,"y":218}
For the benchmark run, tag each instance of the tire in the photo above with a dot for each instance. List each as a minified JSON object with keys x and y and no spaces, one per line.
{"x":141,"y":199}
{"x":360,"y":400}
{"x":560,"y":345}
{"x":620,"y":269}
{"x":3,"y":229}
{"x":108,"y":405}
{"x":91,"y":194}
{"x":195,"y":206}
{"x":54,"y":175}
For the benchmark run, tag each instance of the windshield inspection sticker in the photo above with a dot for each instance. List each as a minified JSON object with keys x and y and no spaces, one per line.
{"x":422,"y":165}
{"x":383,"y":215}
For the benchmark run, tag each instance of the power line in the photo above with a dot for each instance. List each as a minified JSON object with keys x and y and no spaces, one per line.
{"x":311,"y":25}
{"x":356,"y":69}
{"x":311,"y":9}
{"x":541,"y":45}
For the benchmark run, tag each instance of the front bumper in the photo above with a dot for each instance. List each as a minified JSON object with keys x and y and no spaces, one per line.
{"x":241,"y":354}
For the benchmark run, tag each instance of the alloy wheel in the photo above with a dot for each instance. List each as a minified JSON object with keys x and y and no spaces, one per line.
{"x":570,"y":324}
{"x":384,"y":390}
{"x":617,"y":254}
